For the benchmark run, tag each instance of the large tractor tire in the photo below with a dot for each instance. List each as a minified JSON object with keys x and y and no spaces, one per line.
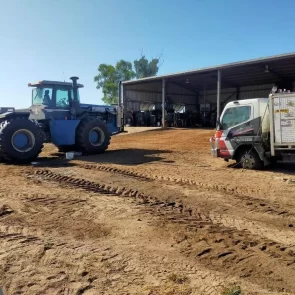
{"x":92,"y":136}
{"x":21,"y":140}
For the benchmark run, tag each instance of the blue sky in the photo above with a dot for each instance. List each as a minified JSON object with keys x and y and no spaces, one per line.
{"x":61,"y":38}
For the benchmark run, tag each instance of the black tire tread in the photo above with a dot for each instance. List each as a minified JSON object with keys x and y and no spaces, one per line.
{"x":5,"y":154}
{"x":258,"y":163}
{"x":83,"y":145}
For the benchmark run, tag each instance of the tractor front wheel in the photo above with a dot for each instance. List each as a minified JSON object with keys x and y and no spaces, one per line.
{"x":92,"y":136}
{"x":20,"y":140}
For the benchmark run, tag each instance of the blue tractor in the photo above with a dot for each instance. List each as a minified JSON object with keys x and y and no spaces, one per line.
{"x":57,"y":116}
{"x":6,"y":109}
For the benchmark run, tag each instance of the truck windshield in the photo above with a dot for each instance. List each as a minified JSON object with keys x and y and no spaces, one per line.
{"x":234,"y":116}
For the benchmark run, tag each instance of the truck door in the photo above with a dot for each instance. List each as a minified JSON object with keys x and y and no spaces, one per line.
{"x":237,"y":127}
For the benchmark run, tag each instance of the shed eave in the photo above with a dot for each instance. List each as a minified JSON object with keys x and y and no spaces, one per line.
{"x":213,"y":68}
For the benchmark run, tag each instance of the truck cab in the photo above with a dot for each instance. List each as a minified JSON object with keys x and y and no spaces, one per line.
{"x":241,"y":130}
{"x":256,"y":132}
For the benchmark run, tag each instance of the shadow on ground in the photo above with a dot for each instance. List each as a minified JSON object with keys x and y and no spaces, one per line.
{"x":52,"y":161}
{"x":281,"y":168}
{"x":127,"y":157}
{"x":120,"y":157}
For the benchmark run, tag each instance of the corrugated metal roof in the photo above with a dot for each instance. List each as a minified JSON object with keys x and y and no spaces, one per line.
{"x":215,"y":68}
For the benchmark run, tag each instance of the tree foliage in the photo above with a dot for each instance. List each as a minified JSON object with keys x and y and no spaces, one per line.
{"x":144,"y":68}
{"x":109,"y":76}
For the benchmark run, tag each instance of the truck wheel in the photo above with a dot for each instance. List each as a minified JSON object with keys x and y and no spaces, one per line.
{"x":20,"y":140}
{"x":92,"y":136}
{"x":249,"y":160}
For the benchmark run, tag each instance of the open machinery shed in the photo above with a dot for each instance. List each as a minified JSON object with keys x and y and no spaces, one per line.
{"x":195,"y":98}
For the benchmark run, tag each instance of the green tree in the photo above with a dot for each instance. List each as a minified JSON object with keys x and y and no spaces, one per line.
{"x":124,"y":70}
{"x":109,"y":76}
{"x":144,"y":68}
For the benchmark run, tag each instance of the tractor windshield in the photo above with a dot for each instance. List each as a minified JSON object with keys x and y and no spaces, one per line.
{"x":41,"y":96}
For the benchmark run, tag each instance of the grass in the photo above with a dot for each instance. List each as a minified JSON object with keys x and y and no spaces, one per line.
{"x":169,"y":290}
{"x":177,"y":278}
{"x":176,"y":285}
{"x":48,"y":246}
{"x":232,"y":290}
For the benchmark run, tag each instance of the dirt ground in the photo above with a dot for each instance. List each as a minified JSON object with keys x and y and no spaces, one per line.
{"x":154,"y":215}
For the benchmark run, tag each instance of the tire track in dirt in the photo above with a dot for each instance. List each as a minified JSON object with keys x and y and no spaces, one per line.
{"x":251,"y":203}
{"x":232,"y":251}
{"x":40,"y":247}
{"x":49,"y":253}
{"x":284,"y":237}
{"x":232,"y":248}
{"x":272,"y":226}
{"x":36,"y":251}
{"x":46,"y":200}
{"x":101,"y":188}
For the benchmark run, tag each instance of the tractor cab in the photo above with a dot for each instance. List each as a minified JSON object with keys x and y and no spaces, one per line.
{"x":54,"y":94}
{"x":60,"y":97}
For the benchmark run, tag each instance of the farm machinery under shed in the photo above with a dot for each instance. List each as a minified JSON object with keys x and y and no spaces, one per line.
{"x":176,"y":115}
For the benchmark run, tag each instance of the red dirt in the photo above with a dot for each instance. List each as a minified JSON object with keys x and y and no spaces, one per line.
{"x":155,"y":214}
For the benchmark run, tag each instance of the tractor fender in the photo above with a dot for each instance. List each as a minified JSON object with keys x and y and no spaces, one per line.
{"x":12,"y":115}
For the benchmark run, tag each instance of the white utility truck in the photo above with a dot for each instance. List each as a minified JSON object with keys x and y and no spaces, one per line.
{"x":256,"y":132}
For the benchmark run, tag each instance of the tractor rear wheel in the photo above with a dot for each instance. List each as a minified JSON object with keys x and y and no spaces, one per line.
{"x":20,"y":140}
{"x":92,"y":136}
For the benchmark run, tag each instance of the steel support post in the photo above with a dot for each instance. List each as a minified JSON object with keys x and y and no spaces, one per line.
{"x":163,"y":102}
{"x":218,"y":93}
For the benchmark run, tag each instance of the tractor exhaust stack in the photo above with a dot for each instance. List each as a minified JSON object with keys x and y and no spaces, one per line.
{"x":75,"y":87}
